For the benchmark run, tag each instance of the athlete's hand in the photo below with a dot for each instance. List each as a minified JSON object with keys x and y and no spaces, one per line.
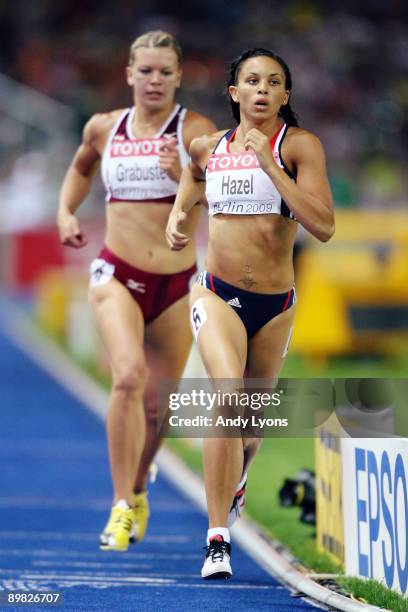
{"x":169,"y":158}
{"x":70,"y":233}
{"x":174,"y":236}
{"x":259,"y":143}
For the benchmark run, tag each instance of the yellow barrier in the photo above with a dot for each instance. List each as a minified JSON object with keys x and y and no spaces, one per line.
{"x":329,"y":509}
{"x":364,"y":266}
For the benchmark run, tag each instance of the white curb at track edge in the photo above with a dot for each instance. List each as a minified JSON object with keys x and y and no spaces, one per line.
{"x":49,"y":356}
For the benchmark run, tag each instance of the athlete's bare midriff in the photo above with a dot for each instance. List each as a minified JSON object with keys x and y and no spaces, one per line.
{"x":253,"y":252}
{"x":136,"y":233}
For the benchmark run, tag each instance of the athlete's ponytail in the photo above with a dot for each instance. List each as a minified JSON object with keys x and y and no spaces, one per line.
{"x":288,"y":115}
{"x":286,"y":111}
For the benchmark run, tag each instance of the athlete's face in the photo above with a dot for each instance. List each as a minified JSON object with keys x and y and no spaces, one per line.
{"x":154,"y":75}
{"x":260,"y":89}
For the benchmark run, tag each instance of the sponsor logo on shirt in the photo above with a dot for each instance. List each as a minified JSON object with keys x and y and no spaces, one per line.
{"x":135,"y":147}
{"x":220,"y":162}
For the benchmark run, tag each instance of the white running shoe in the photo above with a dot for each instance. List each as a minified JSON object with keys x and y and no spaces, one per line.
{"x":217,"y":560}
{"x":237,"y":506}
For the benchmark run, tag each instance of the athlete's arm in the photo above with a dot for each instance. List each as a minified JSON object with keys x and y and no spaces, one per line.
{"x":191,"y":190}
{"x":77,"y":184}
{"x":309,"y":198}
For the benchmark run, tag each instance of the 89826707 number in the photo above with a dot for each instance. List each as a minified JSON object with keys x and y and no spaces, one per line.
{"x":21,"y":598}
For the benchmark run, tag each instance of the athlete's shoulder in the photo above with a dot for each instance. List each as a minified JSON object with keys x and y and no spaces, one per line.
{"x":302,"y":142}
{"x":194,"y":117}
{"x":299,"y":135}
{"x":196,"y":125}
{"x":99,"y":124}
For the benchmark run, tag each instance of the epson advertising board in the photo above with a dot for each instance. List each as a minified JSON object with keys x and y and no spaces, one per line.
{"x":375,"y":503}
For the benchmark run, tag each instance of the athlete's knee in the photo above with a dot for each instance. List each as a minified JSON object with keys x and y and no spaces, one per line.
{"x":129,"y":375}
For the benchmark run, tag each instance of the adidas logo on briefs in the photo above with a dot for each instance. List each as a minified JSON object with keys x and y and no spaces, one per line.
{"x":135,"y":286}
{"x":235,"y":302}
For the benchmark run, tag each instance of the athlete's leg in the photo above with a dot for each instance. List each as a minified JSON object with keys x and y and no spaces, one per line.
{"x":222,"y":343}
{"x":120,"y":322}
{"x":266,"y":355}
{"x":168,"y":340}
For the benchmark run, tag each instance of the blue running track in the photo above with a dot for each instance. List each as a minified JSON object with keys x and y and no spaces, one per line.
{"x":54,"y":499}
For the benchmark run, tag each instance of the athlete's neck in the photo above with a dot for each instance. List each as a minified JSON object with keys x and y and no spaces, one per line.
{"x":147,"y":122}
{"x":269,"y":127}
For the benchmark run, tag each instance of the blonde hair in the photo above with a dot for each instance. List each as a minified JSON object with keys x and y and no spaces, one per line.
{"x":154,"y":39}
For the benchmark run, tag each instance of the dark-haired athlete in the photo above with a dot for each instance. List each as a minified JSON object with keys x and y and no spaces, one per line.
{"x":261,"y":179}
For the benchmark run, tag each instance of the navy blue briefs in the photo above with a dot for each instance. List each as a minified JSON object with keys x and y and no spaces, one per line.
{"x":254,"y":309}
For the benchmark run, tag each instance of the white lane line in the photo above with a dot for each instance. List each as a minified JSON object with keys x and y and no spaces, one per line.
{"x":40,"y":503}
{"x":27,"y":575}
{"x":45,"y":447}
{"x":92,"y":564}
{"x":134,"y":552}
{"x":140,"y":581}
{"x":119,"y":567}
{"x":113,"y":576}
{"x":38,"y":585}
{"x":88,"y":537}
{"x":92,"y":505}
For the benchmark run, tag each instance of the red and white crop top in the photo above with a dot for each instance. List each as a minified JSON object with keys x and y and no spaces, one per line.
{"x":237,"y":185}
{"x":130,"y":166}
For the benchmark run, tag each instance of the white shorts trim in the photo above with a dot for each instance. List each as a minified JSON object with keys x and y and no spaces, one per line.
{"x":100,"y":272}
{"x":286,"y":349}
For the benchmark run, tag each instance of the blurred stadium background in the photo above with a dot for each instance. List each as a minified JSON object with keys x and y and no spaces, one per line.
{"x":60,"y":63}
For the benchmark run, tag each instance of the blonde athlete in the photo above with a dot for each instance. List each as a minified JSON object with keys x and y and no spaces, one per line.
{"x":260,"y":179}
{"x":137,"y":287}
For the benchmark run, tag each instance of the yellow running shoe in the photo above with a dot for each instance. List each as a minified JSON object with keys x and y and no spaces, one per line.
{"x":117,"y":532}
{"x":141,"y":516}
